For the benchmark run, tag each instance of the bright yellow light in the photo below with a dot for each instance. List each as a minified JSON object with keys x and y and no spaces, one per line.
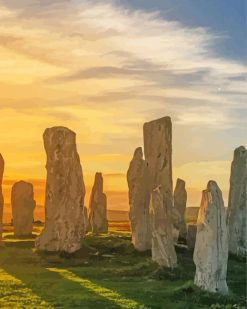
{"x":115,"y":297}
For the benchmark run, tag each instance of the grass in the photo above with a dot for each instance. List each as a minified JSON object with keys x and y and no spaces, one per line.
{"x":113,"y":275}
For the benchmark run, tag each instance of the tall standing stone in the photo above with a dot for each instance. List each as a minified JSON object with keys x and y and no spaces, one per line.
{"x":211,"y":248}
{"x":163,"y":251}
{"x":237,"y":203}
{"x":158,"y":157}
{"x":180,"y":200}
{"x":23,"y":204}
{"x":65,"y":191}
{"x":139,"y":202}
{"x":98,"y":207}
{"x":86,"y":220}
{"x":1,"y":195}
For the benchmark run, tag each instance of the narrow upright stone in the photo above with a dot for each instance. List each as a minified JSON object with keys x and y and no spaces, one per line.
{"x":23,"y":204}
{"x":180,"y":200}
{"x":211,"y":248}
{"x":98,"y":207}
{"x":86,"y":220}
{"x":65,"y":191}
{"x":191,"y":236}
{"x":158,"y":158}
{"x":237,"y":203}
{"x":1,"y":196}
{"x":163,"y":251}
{"x":139,"y":198}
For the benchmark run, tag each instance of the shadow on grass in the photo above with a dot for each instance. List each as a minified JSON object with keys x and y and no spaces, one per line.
{"x":60,"y":288}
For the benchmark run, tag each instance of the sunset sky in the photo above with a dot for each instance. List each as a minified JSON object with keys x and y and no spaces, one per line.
{"x":103,"y":68}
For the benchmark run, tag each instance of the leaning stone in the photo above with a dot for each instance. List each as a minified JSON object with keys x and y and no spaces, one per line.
{"x":23,"y":204}
{"x":65,"y":190}
{"x":139,"y":202}
{"x":237,"y":203}
{"x":211,"y":248}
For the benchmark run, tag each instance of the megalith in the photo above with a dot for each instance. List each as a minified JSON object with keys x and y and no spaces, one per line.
{"x":163,"y":251}
{"x":180,"y":200}
{"x":139,"y":199}
{"x":237,"y":203}
{"x":1,"y":195}
{"x":211,"y":247}
{"x":23,"y":205}
{"x":191,"y":236}
{"x":65,"y":191}
{"x":158,"y":159}
{"x":98,"y":207}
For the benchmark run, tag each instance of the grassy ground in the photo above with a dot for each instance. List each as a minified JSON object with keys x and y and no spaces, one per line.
{"x":113,"y":275}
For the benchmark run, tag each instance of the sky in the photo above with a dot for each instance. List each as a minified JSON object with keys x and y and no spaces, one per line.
{"x":103,"y":68}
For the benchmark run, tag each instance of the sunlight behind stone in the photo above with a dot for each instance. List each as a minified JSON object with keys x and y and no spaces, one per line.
{"x":109,"y":294}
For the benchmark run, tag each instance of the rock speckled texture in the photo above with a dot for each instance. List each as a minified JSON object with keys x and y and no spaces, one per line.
{"x":65,"y":190}
{"x":163,"y":251}
{"x":211,"y":248}
{"x":180,"y":200}
{"x":23,"y":204}
{"x":139,"y":198}
{"x":1,"y":195}
{"x":98,"y":207}
{"x":237,"y":203}
{"x":158,"y":158}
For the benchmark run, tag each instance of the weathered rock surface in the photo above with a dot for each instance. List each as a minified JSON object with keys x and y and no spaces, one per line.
{"x":237,"y":203}
{"x":163,"y":251}
{"x":1,"y":195}
{"x":65,"y":191}
{"x":98,"y":207}
{"x":191,"y":236}
{"x":139,"y":198}
{"x":23,"y":204}
{"x":158,"y":158}
{"x":180,"y":200}
{"x":211,"y":248}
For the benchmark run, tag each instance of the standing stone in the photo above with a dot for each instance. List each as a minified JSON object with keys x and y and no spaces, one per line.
{"x":23,"y":204}
{"x":1,"y":196}
{"x":163,"y":251}
{"x":191,"y":236}
{"x":65,"y":191}
{"x":237,"y":203}
{"x":180,"y":200}
{"x":86,"y":220}
{"x":211,"y":248}
{"x":158,"y":157}
{"x":139,"y":202}
{"x":98,"y":207}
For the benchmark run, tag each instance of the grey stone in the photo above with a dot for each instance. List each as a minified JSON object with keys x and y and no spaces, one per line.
{"x":237,"y":203}
{"x":23,"y":204}
{"x":139,"y":199}
{"x":180,"y":200}
{"x":163,"y":251}
{"x":98,"y":207}
{"x":211,"y":248}
{"x":158,"y":158}
{"x":65,"y":191}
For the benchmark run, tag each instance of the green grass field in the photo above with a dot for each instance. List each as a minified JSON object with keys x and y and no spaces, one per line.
{"x":111,"y":275}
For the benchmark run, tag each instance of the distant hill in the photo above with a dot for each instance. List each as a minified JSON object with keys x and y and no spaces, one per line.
{"x":117,"y":215}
